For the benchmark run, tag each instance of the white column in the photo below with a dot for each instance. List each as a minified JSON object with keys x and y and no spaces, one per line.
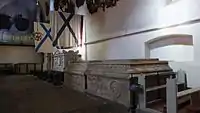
{"x":171,"y":92}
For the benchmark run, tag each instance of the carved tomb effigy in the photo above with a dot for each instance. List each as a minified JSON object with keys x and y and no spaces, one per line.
{"x":110,"y":79}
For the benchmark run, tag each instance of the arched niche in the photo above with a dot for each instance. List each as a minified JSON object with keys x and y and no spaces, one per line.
{"x":173,"y":47}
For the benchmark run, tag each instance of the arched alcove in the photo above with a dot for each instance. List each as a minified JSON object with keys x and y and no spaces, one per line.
{"x":174,"y":47}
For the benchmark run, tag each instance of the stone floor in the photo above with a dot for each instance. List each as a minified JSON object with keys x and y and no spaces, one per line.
{"x":28,"y":94}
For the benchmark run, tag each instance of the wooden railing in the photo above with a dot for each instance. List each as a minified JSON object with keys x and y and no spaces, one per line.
{"x":27,"y":68}
{"x":6,"y":68}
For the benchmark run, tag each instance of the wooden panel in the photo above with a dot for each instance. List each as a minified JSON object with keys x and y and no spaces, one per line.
{"x":22,"y":68}
{"x":30,"y":67}
{"x":38,"y":67}
{"x":188,"y":92}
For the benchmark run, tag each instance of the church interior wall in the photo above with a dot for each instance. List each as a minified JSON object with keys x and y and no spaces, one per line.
{"x":13,"y":54}
{"x":116,"y":37}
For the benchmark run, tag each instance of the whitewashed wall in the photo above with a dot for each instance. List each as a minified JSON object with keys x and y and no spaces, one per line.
{"x":17,"y":54}
{"x":128,"y":15}
{"x":176,"y":53}
{"x":178,"y":12}
{"x":137,"y":15}
{"x":133,"y":46}
{"x":133,"y":16}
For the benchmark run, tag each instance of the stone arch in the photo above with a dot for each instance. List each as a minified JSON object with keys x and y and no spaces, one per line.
{"x":168,"y":40}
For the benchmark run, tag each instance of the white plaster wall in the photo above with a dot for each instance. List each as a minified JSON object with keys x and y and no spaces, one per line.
{"x":176,"y":53}
{"x":121,"y":21}
{"x":131,"y":16}
{"x":191,"y":69}
{"x":127,"y":15}
{"x":16,"y":54}
{"x":178,"y":12}
{"x":133,"y":46}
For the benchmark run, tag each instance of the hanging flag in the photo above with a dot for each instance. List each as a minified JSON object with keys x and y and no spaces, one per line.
{"x":66,"y":29}
{"x":43,"y":38}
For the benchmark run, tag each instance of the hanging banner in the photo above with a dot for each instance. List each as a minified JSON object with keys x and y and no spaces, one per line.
{"x":43,"y":38}
{"x":67,"y":30}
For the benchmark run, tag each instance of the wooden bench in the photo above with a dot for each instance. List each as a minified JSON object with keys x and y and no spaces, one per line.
{"x":193,"y":97}
{"x":188,"y":92}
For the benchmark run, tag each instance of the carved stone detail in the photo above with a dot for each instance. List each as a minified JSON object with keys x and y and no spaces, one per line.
{"x":115,"y":88}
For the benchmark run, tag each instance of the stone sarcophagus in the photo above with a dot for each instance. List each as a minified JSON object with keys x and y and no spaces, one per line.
{"x":75,"y":76}
{"x":111,"y":79}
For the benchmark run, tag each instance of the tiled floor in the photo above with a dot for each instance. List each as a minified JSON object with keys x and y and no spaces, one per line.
{"x":27,"y":94}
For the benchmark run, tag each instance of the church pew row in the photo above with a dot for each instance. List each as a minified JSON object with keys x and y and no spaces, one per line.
{"x":6,"y":68}
{"x":194,"y":98}
{"x":27,"y":68}
{"x":19,"y":68}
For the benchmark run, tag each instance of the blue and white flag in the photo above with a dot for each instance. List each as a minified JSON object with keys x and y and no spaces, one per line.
{"x":43,"y":38}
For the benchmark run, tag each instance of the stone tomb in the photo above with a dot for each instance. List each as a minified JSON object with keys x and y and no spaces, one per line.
{"x":110,"y":79}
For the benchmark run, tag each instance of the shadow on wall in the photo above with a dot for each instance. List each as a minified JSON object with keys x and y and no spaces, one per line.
{"x":101,"y":51}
